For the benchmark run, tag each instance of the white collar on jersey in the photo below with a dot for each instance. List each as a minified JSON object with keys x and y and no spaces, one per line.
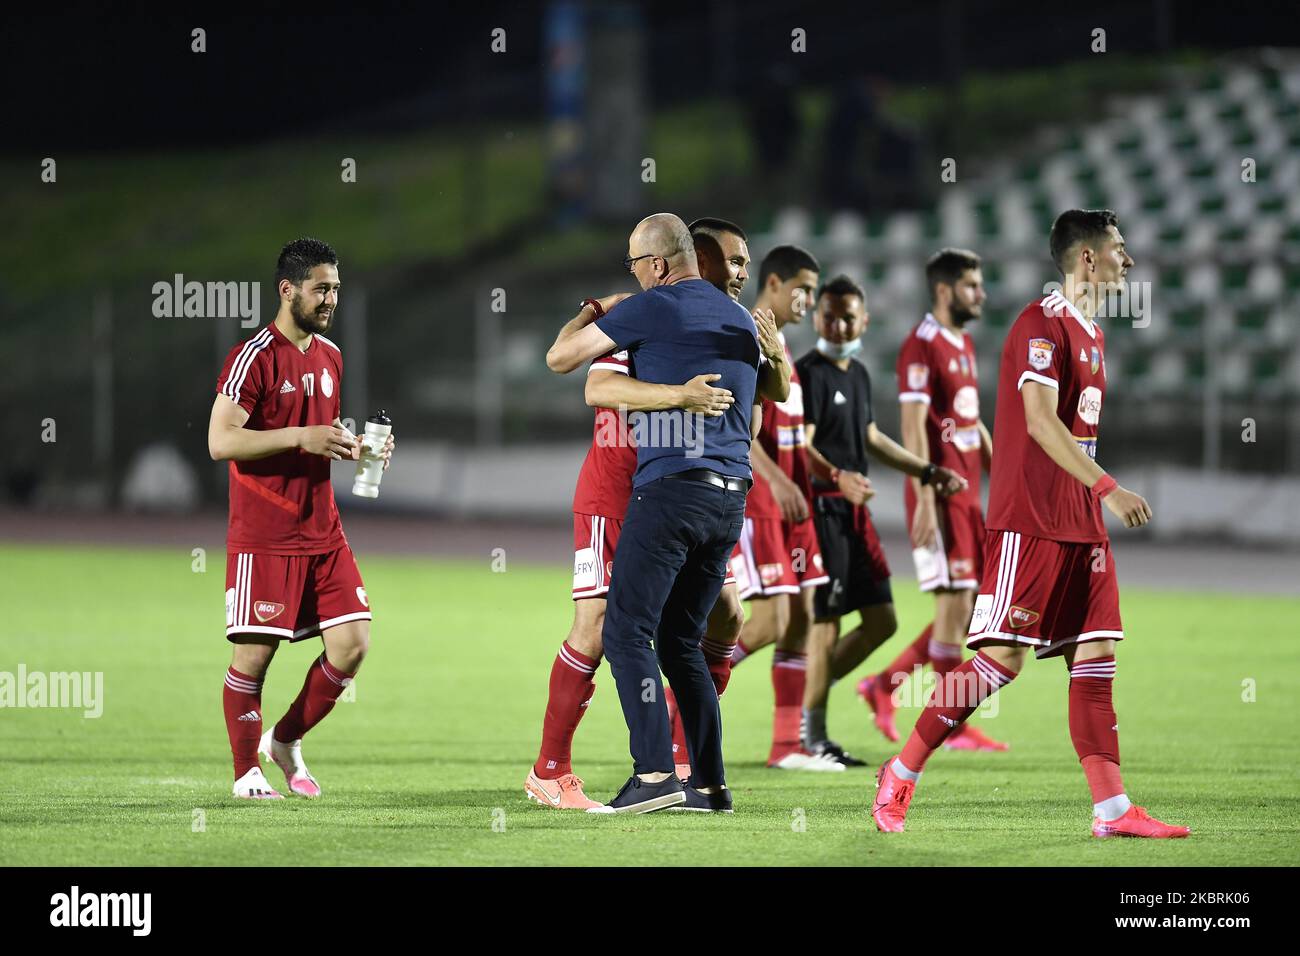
{"x":1056,"y":300}
{"x":958,"y":339}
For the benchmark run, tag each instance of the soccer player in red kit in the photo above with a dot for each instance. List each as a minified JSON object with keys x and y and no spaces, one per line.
{"x":780,"y":561}
{"x":290,"y":574}
{"x":939,"y":396}
{"x":1049,"y":580}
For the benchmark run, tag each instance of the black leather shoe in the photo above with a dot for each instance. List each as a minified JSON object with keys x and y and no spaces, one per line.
{"x":697,"y":802}
{"x":637,"y":796}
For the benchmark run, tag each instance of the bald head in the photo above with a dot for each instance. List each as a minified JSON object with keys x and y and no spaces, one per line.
{"x":665,"y":237}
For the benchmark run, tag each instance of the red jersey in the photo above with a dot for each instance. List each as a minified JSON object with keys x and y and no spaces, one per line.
{"x":936,"y":366}
{"x":605,"y":481}
{"x":1053,"y":344}
{"x":283,"y":504}
{"x":781,"y":435}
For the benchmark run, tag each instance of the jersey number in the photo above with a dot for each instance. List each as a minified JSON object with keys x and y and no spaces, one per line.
{"x":309,"y":383}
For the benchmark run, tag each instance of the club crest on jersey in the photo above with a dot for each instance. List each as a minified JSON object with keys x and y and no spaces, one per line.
{"x":1096,"y":359}
{"x":267,"y":610}
{"x":918,"y":373}
{"x":1040,"y":353}
{"x":326,"y":383}
{"x":1020,"y":616}
{"x":361,"y":596}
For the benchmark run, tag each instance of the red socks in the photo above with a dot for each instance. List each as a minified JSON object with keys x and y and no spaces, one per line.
{"x":242,"y":702}
{"x":914,"y":655}
{"x":789,"y":670}
{"x":955,"y":698}
{"x":570,"y":692}
{"x":943,"y":658}
{"x":1093,"y":727}
{"x":323,"y":686}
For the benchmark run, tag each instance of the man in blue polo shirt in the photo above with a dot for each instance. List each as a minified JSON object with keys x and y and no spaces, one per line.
{"x":687,"y":506}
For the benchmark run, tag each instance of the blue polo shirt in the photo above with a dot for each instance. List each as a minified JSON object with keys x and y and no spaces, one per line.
{"x":677,"y":332}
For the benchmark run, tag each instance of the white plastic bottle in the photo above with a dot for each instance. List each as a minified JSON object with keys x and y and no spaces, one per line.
{"x":370,"y":466}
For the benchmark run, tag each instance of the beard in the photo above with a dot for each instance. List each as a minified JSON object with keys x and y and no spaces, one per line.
{"x":309,"y":322}
{"x":961,"y":315}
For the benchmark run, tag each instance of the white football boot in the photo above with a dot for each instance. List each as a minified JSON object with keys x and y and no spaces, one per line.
{"x":288,"y":757}
{"x":254,"y":786}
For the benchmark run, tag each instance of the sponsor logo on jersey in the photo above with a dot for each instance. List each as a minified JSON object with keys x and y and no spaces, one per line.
{"x":361,"y":596}
{"x":326,"y":383}
{"x":793,"y":404}
{"x":1021,"y":616}
{"x":769,"y":574}
{"x":267,"y":610}
{"x":967,"y":438}
{"x":1040,"y":353}
{"x":918,"y":373}
{"x":1090,"y":404}
{"x":966,"y":403}
{"x":839,"y":398}
{"x":1089,"y":446}
{"x":1096,"y":359}
{"x":287,"y":387}
{"x":790,"y":436}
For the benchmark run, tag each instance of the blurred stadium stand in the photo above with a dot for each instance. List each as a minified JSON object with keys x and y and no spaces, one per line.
{"x":486,"y":429}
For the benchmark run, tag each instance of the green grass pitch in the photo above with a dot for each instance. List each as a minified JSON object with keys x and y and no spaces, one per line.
{"x":426,"y":765}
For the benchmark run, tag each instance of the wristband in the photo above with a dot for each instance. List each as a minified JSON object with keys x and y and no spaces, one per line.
{"x":927,"y":476}
{"x":835,"y":476}
{"x":595,"y":307}
{"x":1104,"y":486}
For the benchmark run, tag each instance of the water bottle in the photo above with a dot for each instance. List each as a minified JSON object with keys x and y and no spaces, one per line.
{"x":370,"y":466}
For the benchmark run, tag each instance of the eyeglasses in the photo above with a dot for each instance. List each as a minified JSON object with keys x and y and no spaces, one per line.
{"x":628,"y":260}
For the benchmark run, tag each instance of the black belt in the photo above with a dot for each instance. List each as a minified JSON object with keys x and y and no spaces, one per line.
{"x":711,"y":477}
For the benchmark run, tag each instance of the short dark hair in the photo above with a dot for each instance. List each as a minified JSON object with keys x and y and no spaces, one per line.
{"x":785,"y":262}
{"x":711,"y":226}
{"x":299,"y":257}
{"x":947,"y":266}
{"x":842,"y":285}
{"x":1078,"y":225}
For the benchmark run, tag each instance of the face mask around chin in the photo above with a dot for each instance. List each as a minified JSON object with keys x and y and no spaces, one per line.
{"x":839,"y":350}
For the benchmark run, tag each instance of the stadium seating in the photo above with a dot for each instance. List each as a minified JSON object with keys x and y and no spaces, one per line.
{"x":1222,"y":255}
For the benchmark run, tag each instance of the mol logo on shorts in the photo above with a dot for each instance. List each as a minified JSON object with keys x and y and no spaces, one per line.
{"x":266,"y":610}
{"x":769,"y":574}
{"x":1021,"y":617}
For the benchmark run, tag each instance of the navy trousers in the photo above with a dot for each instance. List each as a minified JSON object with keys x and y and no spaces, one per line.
{"x":668,"y":571}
